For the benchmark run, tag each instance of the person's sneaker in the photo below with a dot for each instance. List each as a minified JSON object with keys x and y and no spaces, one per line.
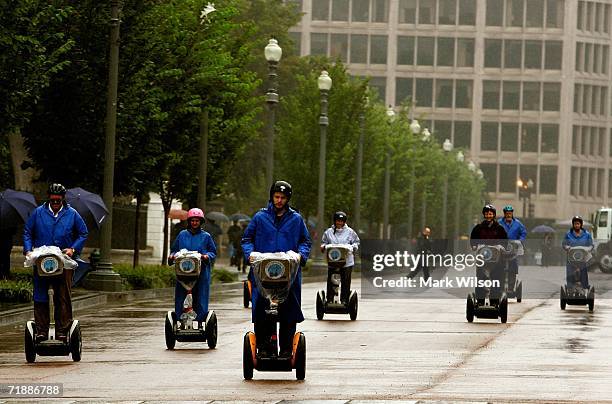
{"x":286,"y":354}
{"x":61,"y":337}
{"x":41,"y":337}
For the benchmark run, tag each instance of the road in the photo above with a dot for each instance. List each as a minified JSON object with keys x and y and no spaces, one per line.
{"x":398,"y":349}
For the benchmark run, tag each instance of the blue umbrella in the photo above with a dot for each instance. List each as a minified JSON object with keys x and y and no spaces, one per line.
{"x":15,"y":207}
{"x":89,"y":205}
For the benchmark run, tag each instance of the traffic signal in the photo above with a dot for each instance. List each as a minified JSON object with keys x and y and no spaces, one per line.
{"x":531,"y":210}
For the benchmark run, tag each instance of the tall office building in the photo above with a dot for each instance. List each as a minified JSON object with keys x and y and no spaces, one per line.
{"x":522,"y":85}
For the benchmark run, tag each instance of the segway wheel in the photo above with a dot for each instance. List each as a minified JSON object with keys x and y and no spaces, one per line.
{"x":469,"y":309}
{"x":246,"y":295}
{"x":503,"y":310}
{"x":519,"y":292}
{"x":591,"y":299}
{"x":170,"y":338}
{"x":211,"y":331}
{"x":76,"y":343}
{"x":353,"y":306}
{"x":300,"y":358}
{"x":562,"y":298}
{"x":320,"y":306}
{"x":247,"y":358}
{"x":30,"y":350}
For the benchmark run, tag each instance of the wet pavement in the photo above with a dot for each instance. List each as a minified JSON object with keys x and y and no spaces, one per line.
{"x":398,"y":349}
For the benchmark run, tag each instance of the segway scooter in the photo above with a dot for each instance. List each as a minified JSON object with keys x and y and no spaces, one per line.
{"x":578,"y":257}
{"x":514,"y":287}
{"x":336,"y":255}
{"x":50,"y":266}
{"x":487,"y":307}
{"x":273,"y":274}
{"x":188,"y":266}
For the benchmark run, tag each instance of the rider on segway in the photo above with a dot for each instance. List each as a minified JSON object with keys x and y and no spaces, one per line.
{"x":277,"y":228}
{"x":489,"y":229}
{"x":195,"y":239}
{"x":577,"y":236}
{"x":57,"y":224}
{"x":340,"y":233}
{"x":516,"y":231}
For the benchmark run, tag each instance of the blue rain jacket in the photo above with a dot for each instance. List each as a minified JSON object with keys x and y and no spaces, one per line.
{"x":203,"y":243}
{"x":265,"y":234}
{"x":516,"y":229}
{"x":67,"y":230}
{"x":572,"y":240}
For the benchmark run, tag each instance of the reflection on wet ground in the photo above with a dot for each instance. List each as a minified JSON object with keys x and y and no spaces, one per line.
{"x":576,"y":345}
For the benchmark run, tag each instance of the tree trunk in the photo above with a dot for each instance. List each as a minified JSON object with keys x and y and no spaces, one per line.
{"x":24,"y":179}
{"x":137,"y":230}
{"x":166,"y":232}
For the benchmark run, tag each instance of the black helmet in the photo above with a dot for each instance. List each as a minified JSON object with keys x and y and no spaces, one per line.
{"x":56,"y":189}
{"x":339,"y":215}
{"x":283,"y":187}
{"x":577,"y":219}
{"x":489,"y":207}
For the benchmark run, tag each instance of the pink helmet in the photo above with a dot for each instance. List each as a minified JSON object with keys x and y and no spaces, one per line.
{"x":195,"y":212}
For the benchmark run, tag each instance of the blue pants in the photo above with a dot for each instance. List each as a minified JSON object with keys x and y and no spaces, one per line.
{"x":200,"y":293}
{"x":570,"y":276}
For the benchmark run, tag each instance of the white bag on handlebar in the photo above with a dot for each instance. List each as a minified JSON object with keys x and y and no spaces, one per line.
{"x":31,"y":258}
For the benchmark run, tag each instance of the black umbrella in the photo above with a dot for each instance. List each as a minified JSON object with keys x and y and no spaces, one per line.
{"x":89,"y":205}
{"x":239,"y":216}
{"x":15,"y":207}
{"x":542,"y":229}
{"x":217,"y":217}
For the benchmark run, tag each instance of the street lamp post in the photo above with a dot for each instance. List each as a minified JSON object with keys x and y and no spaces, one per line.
{"x":273,"y":54}
{"x":104,"y":278}
{"x":447,"y":146}
{"x":460,"y":159}
{"x":324,"y":82}
{"x":387,"y":192}
{"x":415,"y":128}
{"x":525,"y":190}
{"x":426,"y":135}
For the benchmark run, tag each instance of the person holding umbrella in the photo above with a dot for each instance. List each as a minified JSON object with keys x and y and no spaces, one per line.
{"x":54,"y":223}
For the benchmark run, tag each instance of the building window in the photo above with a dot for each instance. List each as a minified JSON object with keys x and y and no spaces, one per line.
{"x":576,"y":140}
{"x":339,"y":47}
{"x":403,"y":90}
{"x":580,"y":15}
{"x":340,"y":10}
{"x":553,"y":56}
{"x":463,"y":94}
{"x":493,"y":49}
{"x":380,"y":10}
{"x":463,"y":134}
{"x":361,"y":10}
{"x":318,"y":44}
{"x":467,"y":12}
{"x":574,"y":182}
{"x":465,"y":52}
{"x":405,"y":50}
{"x":407,"y":11}
{"x":296,"y":38}
{"x":495,"y":13}
{"x":529,"y":138}
{"x":424,"y":89}
{"x":513,"y":54}
{"x":380,"y":85}
{"x":548,"y":180}
{"x":533,"y":54}
{"x":378,"y":49}
{"x":427,"y":11}
{"x":514,"y":13}
{"x":531,"y":96}
{"x":551,"y":97}
{"x":488,"y":136}
{"x":535,"y":13}
{"x":443,"y":130}
{"x":320,"y":10}
{"x":490,"y":176}
{"x":447,"y":12}
{"x":507,"y":178}
{"x":509,"y":137}
{"x":528,"y":172}
{"x":554,"y":13}
{"x":490,"y":94}
{"x":425,"y":51}
{"x":511,"y":95}
{"x":359,"y":49}
{"x":550,"y":138}
{"x":444,"y":93}
{"x":446,"y":52}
